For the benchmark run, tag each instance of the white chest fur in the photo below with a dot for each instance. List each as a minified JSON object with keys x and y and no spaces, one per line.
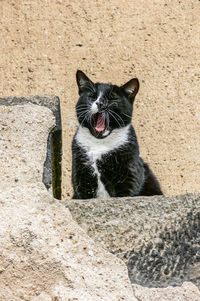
{"x":95,"y":148}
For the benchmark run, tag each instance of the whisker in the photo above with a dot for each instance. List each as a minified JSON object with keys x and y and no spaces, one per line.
{"x":107,"y":120}
{"x":86,"y":117}
{"x":111,"y":104}
{"x":82,"y":106}
{"x":82,"y":110}
{"x":115,"y":119}
{"x":81,"y":115}
{"x":118,"y":116}
{"x":127,"y":115}
{"x":90,"y":119}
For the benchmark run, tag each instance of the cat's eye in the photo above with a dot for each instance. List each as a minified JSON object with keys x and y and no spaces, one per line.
{"x":113,"y":95}
{"x":93,"y":95}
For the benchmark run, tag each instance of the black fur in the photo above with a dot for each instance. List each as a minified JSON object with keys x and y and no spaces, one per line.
{"x":121,"y":170}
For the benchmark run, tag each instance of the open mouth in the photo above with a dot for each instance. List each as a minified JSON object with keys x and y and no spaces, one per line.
{"x":99,"y":121}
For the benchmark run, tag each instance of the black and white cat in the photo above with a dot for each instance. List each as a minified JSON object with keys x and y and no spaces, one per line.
{"x":105,"y":152}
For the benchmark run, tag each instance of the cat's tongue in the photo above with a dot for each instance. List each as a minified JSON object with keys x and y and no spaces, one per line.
{"x":100,"y":126}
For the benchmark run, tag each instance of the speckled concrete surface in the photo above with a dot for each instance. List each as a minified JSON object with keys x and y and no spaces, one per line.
{"x":187,"y":292}
{"x":44,"y":42}
{"x":54,"y":144}
{"x":22,"y":130}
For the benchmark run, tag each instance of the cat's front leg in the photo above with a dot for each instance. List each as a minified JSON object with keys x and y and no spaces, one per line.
{"x":84,"y":180}
{"x":114,"y":172}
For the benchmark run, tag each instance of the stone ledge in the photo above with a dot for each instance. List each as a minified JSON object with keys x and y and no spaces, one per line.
{"x":52,"y":102}
{"x":157,"y":237}
{"x":52,"y":164}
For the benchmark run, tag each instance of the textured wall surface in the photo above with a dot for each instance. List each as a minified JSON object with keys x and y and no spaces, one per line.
{"x":157,"y":237}
{"x":43,"y":43}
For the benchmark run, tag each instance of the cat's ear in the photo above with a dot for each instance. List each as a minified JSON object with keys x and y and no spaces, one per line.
{"x":83,"y":81}
{"x":131,"y":88}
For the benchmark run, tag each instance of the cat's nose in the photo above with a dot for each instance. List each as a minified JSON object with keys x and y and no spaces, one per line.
{"x":100,"y":105}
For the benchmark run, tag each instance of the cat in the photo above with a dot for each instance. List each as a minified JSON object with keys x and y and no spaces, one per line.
{"x":105,"y":151}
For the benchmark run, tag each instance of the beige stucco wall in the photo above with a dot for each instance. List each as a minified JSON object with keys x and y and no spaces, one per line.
{"x":43,"y":43}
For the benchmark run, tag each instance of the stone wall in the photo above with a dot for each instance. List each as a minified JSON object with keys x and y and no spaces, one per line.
{"x":157,"y":237}
{"x":45,"y":255}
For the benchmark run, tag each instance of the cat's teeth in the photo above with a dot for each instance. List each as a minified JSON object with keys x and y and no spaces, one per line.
{"x":106,"y":133}
{"x":99,"y":129}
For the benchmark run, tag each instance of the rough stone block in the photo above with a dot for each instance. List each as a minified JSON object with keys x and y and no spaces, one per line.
{"x":52,"y":164}
{"x":157,"y":237}
{"x":44,"y":254}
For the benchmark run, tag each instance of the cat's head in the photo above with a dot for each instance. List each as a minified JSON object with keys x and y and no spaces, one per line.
{"x":104,"y":107}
